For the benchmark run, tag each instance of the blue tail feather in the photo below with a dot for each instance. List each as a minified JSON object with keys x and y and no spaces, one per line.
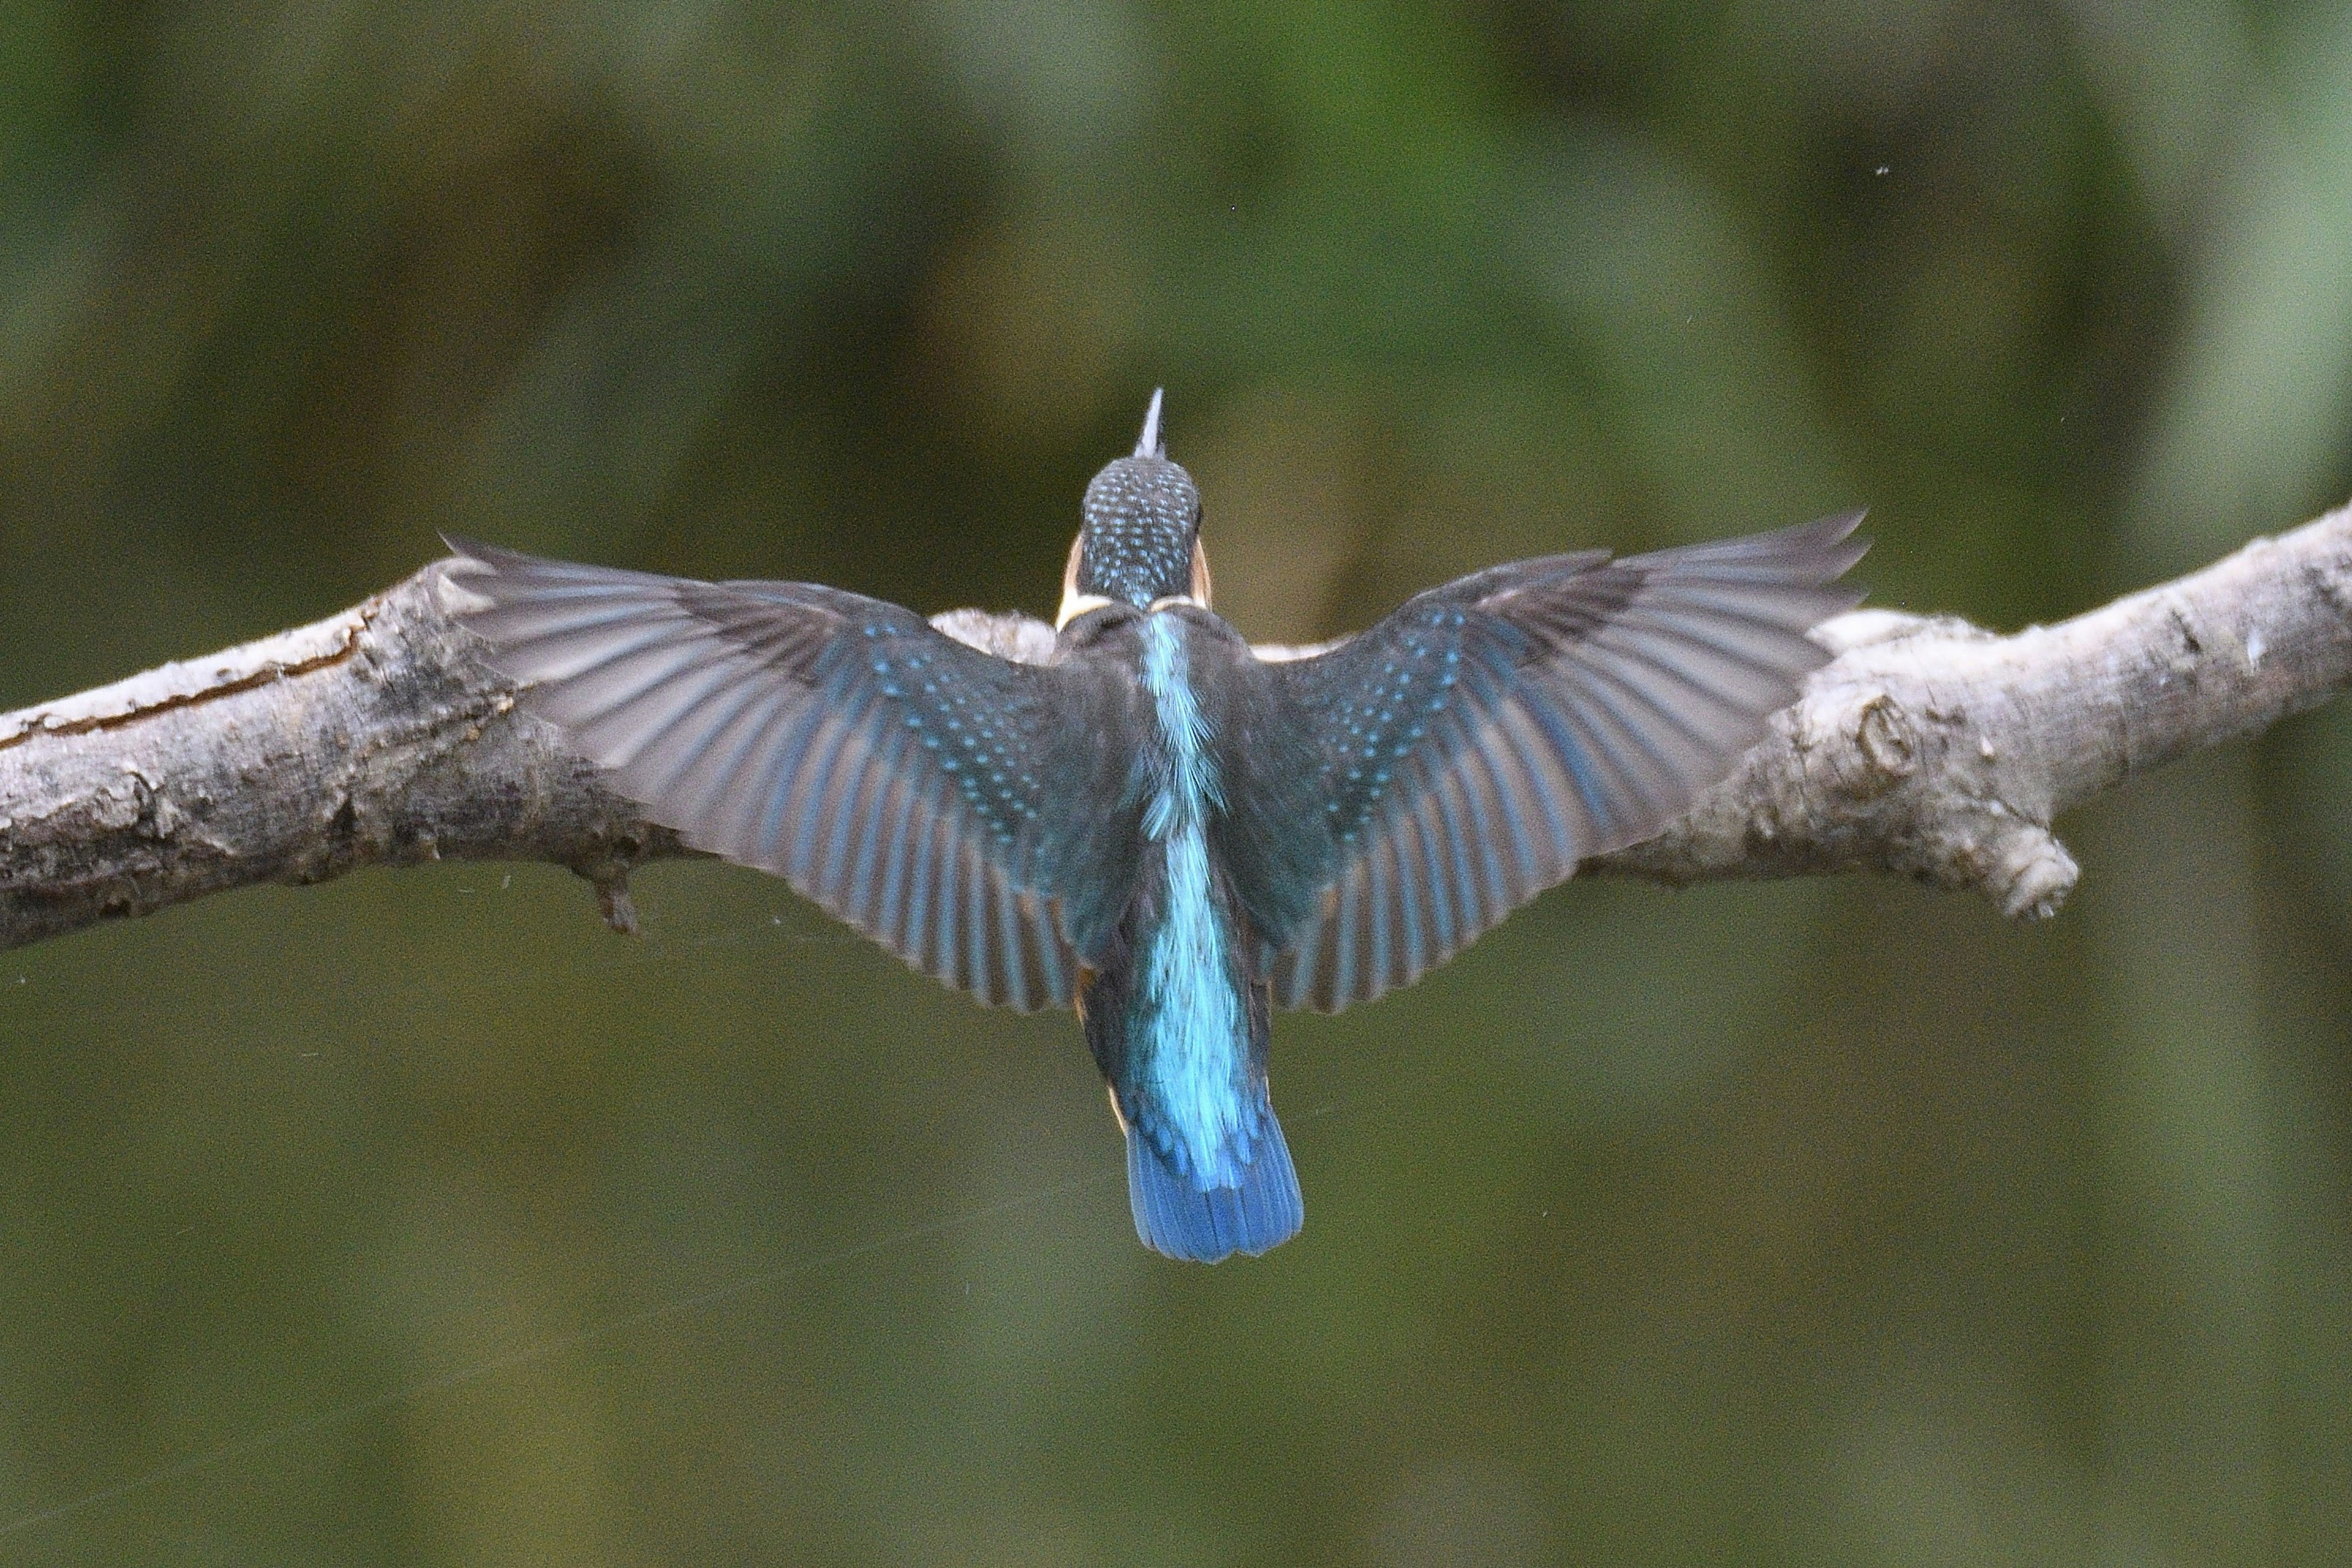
{"x":1177,"y":1218}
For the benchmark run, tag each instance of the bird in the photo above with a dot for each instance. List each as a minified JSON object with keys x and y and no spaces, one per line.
{"x":1144,"y":819}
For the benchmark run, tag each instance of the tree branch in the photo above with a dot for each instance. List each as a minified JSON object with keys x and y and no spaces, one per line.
{"x":1927,"y":747}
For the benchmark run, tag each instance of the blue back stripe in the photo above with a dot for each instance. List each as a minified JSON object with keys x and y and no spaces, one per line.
{"x":1191,"y":1020}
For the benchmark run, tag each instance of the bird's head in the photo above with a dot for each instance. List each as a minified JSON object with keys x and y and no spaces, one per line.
{"x":1141,"y":541}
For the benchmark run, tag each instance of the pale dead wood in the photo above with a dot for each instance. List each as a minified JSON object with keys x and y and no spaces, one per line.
{"x":1927,"y":747}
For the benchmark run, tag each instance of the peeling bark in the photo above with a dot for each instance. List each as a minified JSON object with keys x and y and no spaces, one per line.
{"x":1927,"y":747}
{"x":1940,"y":752}
{"x":370,"y":738}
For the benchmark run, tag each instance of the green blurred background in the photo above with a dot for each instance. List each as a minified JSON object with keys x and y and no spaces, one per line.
{"x":419,"y":1219}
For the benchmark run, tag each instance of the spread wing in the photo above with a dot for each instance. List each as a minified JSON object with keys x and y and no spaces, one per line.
{"x":893,"y":775}
{"x":1491,"y":734}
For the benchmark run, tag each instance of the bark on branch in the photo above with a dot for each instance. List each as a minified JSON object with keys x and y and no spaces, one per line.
{"x":1928,"y":747}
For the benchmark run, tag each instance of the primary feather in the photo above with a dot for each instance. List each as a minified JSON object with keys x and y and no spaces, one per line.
{"x":892,"y":775}
{"x":1478,"y":742}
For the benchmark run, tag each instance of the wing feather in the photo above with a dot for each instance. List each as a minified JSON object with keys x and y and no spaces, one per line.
{"x":893,"y":775}
{"x":1493,"y":732}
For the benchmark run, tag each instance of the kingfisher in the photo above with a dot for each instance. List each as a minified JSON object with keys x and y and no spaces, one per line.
{"x":1139,"y":816}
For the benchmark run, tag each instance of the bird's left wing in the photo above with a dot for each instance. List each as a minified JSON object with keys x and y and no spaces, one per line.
{"x":891,"y":773}
{"x":1477,"y":743}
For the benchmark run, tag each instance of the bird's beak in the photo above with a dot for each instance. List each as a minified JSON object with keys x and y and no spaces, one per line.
{"x":1151,"y":443}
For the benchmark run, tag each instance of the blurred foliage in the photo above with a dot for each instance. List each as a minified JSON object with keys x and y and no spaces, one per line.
{"x":415,"y":1219}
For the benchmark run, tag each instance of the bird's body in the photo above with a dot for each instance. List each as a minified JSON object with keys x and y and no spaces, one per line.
{"x":1154,"y":824}
{"x":1177,"y":1015}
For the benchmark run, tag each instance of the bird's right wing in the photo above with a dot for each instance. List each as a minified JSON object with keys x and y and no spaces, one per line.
{"x":894,"y":775}
{"x":1491,"y":734}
